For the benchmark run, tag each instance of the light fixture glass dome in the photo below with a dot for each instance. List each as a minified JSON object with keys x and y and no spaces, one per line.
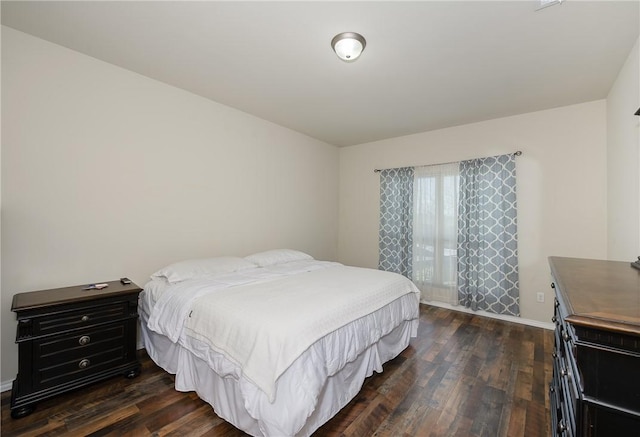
{"x":348,"y":45}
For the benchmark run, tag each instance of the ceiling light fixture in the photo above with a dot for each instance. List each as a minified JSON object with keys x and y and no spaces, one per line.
{"x":348,"y":45}
{"x":546,"y":3}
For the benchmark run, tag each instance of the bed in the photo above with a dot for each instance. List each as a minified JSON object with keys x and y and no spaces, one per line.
{"x":276,"y":342}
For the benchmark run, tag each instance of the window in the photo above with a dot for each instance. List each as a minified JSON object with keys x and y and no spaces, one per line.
{"x":452,"y":229}
{"x":435,"y":204}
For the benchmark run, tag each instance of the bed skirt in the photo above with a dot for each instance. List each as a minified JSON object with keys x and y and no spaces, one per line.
{"x":293,"y":413}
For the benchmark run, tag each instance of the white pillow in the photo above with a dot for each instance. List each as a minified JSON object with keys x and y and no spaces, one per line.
{"x":277,"y":256}
{"x":196,"y":268}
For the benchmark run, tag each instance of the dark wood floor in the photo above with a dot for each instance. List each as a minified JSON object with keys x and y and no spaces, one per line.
{"x":463,"y":376}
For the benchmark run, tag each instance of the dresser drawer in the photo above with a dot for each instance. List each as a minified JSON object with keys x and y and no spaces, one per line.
{"x":566,"y":340}
{"x":603,"y":421}
{"x":61,"y":348}
{"x":570,"y":377}
{"x":555,"y":388}
{"x":566,"y":427}
{"x":570,"y":399}
{"x":86,"y":316}
{"x":556,"y":415}
{"x":610,"y":376}
{"x":560,"y":415}
{"x":78,"y":368}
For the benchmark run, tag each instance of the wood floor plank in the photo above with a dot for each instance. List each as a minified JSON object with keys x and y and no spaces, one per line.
{"x":100,"y":423}
{"x":517,"y":418}
{"x":197,"y":422}
{"x":464,"y":375}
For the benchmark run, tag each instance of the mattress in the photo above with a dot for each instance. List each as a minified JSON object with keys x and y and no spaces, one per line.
{"x":304,"y":388}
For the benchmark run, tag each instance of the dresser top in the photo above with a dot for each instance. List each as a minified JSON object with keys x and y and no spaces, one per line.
{"x":66,"y":295}
{"x":599,"y":294}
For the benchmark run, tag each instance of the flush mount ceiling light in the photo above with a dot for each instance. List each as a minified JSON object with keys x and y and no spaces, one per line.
{"x":348,"y":45}
{"x":546,"y":3}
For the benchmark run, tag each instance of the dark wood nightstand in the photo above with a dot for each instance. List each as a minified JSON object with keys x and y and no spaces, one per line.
{"x":69,"y":338}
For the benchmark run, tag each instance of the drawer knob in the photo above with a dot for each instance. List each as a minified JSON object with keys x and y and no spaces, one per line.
{"x":565,"y":336}
{"x":554,"y":319}
{"x":562,"y":426}
{"x":552,"y":389}
{"x":84,"y":318}
{"x":84,"y":363}
{"x":84,"y":340}
{"x":553,"y":285}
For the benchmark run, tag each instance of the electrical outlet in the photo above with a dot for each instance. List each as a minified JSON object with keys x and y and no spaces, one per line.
{"x":540,"y":296}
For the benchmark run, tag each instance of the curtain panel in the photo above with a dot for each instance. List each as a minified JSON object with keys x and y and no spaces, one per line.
{"x":396,"y":220}
{"x":487,"y":236}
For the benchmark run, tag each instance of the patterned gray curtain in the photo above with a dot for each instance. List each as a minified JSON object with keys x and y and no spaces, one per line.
{"x":396,"y":220}
{"x":487,"y":236}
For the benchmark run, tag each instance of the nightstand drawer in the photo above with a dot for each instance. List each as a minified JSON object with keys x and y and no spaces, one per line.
{"x":76,"y":368}
{"x":77,"y":318}
{"x":54,"y":350}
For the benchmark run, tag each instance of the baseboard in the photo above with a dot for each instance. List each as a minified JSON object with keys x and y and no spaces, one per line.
{"x":544,"y":325}
{"x":6,"y":386}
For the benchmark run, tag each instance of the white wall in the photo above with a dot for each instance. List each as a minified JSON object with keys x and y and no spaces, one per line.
{"x":623,"y":161}
{"x":561,"y":189}
{"x":106,"y":173}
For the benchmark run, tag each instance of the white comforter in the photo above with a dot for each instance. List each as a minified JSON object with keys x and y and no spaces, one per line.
{"x":268,"y":319}
{"x":172,"y":303}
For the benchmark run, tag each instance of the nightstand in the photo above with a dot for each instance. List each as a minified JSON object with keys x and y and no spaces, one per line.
{"x":69,"y":338}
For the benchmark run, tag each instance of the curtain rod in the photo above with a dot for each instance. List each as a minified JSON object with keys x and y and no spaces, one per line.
{"x":378,"y":170}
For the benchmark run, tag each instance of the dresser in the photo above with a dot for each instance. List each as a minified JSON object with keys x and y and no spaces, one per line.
{"x":595,"y":389}
{"x":69,"y":338}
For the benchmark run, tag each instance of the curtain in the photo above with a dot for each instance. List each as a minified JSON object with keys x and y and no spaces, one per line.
{"x":435,"y":204}
{"x":396,"y":220}
{"x":487,"y":236}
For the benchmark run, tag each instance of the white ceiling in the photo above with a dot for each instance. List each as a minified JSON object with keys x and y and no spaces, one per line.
{"x":427,"y":65}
